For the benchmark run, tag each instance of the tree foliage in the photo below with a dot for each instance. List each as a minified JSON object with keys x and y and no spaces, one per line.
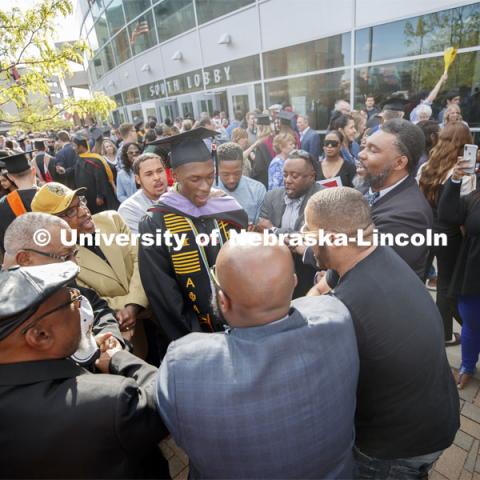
{"x":29,"y":59}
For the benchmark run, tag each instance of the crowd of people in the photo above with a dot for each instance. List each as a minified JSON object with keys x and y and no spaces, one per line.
{"x":261,"y":359}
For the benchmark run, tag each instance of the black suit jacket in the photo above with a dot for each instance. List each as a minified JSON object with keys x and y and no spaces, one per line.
{"x":61,"y":421}
{"x":272,"y":209}
{"x":405,"y":210}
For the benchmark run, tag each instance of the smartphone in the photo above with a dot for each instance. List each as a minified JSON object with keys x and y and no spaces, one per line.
{"x":470,"y":155}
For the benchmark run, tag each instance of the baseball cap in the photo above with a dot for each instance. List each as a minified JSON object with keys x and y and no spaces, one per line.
{"x":54,"y":198}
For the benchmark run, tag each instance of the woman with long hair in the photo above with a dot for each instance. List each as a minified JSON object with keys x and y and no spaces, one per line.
{"x":6,"y":185}
{"x":264,"y":151}
{"x":431,"y":177}
{"x":345,"y":124}
{"x":333,"y":164}
{"x":283,"y":143}
{"x":109,"y":152}
{"x":126,"y":185}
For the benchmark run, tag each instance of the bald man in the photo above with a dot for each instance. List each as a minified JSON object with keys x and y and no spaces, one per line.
{"x":263,"y":400}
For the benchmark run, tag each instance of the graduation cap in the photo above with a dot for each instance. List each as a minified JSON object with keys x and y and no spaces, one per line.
{"x":397,"y":104}
{"x":187,"y":147}
{"x":96,"y":134}
{"x":80,"y":139}
{"x":39,"y":143}
{"x":286,"y":117}
{"x":263,"y":119}
{"x":16,"y":163}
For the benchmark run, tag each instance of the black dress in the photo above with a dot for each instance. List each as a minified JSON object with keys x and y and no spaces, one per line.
{"x":346,"y":173}
{"x":465,"y":211}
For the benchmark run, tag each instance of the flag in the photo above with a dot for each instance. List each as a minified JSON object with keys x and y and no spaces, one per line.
{"x":449,"y":57}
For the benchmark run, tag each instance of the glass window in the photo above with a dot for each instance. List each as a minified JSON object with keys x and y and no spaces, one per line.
{"x":187,"y":108}
{"x":131,"y":96}
{"x":320,"y":54}
{"x":258,"y":96}
{"x":121,"y":46}
{"x":96,"y":6}
{"x":415,"y":78}
{"x":314,"y":95}
{"x":93,"y":40}
{"x":419,"y":35}
{"x":115,"y":17}
{"x":109,"y":58}
{"x":99,"y":64}
{"x":101,"y":30}
{"x":136,"y":115}
{"x":173,"y":17}
{"x":133,"y":8}
{"x":118,"y":99}
{"x":142,"y":33}
{"x":210,"y":9}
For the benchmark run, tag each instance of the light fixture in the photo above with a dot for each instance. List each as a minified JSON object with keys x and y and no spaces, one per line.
{"x":146,"y":68}
{"x":178,"y":55}
{"x":225,"y":39}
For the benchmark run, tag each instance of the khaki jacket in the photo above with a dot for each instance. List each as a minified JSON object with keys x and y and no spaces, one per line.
{"x":118,"y":280}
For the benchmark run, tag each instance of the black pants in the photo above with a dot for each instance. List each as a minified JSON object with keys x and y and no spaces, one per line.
{"x":446,"y":259}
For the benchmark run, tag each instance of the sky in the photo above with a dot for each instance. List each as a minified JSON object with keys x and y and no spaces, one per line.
{"x":68,"y":28}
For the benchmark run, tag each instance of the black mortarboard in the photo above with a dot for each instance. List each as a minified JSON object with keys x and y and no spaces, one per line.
{"x":187,"y":147}
{"x":137,"y":122}
{"x":263,"y":119}
{"x":286,"y":117}
{"x":80,"y":139}
{"x":96,"y":134}
{"x":15,"y":163}
{"x":24,"y":289}
{"x":397,"y":104}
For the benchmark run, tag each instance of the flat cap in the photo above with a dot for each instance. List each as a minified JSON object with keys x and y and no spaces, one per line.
{"x":24,"y":289}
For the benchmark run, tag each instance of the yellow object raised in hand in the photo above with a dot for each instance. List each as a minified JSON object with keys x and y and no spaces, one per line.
{"x":449,"y":57}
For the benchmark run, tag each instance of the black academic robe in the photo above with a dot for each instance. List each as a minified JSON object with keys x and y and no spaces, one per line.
{"x":6,"y":214}
{"x":177,"y":284}
{"x":90,"y":173}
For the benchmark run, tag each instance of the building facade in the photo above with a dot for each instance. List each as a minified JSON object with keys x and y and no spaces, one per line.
{"x":172,"y":57}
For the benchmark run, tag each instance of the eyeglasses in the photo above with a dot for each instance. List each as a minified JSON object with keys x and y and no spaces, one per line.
{"x":62,"y":258}
{"x":75,"y":298}
{"x":73,"y":211}
{"x":213,"y":275}
{"x":331,"y":143}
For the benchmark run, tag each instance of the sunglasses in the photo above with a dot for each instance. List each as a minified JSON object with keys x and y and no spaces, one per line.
{"x":331,"y":143}
{"x":75,"y":298}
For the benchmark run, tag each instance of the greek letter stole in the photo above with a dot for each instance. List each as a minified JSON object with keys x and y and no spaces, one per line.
{"x":192,"y":269}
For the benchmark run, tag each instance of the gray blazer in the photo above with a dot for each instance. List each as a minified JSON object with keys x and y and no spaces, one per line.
{"x":275,"y":401}
{"x":273,"y":207}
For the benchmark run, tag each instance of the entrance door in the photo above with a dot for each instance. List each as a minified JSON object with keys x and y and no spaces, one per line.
{"x":149,"y":110}
{"x":241,"y":99}
{"x":186,"y":106}
{"x":168,"y":109}
{"x":212,"y":101}
{"x":135,"y":113}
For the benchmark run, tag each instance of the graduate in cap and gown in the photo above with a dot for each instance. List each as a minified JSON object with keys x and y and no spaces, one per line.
{"x":94,"y":173}
{"x":264,"y":152}
{"x":21,"y":173}
{"x":177,"y":277}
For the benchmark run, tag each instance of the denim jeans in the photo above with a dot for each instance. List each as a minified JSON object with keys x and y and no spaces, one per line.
{"x":398,"y":469}
{"x":469,"y":307}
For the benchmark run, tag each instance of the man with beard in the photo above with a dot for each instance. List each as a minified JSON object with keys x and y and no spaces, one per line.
{"x":273,"y":396}
{"x":283,"y":209}
{"x":407,"y":403}
{"x":247,"y":192}
{"x":176,"y":274}
{"x":397,"y":204}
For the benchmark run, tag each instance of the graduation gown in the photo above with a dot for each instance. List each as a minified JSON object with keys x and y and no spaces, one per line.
{"x":7,"y":215}
{"x":91,"y":174}
{"x":177,"y":282}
